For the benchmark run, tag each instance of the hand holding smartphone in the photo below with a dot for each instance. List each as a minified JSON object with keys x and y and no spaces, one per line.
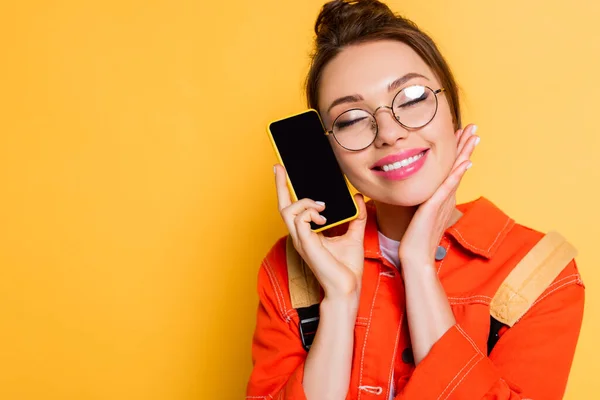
{"x":313,"y":174}
{"x":302,"y":147}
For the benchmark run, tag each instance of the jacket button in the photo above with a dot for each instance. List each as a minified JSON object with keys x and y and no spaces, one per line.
{"x":407,"y":356}
{"x":440,"y":253}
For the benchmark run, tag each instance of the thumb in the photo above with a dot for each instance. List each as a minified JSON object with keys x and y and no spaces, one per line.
{"x":356,"y":228}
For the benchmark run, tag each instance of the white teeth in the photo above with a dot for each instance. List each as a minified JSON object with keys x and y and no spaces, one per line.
{"x":402,"y":163}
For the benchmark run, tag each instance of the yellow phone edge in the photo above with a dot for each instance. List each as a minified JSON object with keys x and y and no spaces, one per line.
{"x":289,"y":183}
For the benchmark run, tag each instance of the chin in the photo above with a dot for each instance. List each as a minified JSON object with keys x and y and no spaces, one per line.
{"x":406,"y":199}
{"x":406,"y":195}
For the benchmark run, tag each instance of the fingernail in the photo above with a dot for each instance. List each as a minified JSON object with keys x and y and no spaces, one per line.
{"x":474,"y":129}
{"x":324,"y":219}
{"x":469,"y":165}
{"x":477,"y":140}
{"x":274,"y":169}
{"x":320,"y":203}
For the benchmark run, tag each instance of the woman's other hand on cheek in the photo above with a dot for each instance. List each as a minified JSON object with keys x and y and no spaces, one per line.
{"x":418,"y":245}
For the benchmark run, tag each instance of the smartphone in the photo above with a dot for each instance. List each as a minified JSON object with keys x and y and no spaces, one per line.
{"x":303,"y":148}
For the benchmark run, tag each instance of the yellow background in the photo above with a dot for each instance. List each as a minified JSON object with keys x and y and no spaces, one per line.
{"x":137,"y":195}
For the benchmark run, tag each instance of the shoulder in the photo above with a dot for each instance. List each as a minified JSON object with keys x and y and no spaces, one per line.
{"x":497,"y":243}
{"x":520,"y":242}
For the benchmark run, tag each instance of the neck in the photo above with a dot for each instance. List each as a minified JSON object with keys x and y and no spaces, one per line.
{"x":392,"y":221}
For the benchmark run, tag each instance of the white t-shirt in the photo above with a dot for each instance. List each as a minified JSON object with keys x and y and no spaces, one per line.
{"x":389,"y":249}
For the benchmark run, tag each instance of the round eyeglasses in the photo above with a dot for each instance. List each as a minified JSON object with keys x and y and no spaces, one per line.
{"x":413,"y":107}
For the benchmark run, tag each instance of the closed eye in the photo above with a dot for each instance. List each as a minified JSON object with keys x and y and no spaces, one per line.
{"x":345,"y":124}
{"x":413,"y":102}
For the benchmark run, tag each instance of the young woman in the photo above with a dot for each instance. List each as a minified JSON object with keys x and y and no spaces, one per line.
{"x":407,"y":285}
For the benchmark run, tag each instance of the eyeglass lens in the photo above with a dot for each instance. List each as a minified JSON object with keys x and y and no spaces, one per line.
{"x":414,"y":107}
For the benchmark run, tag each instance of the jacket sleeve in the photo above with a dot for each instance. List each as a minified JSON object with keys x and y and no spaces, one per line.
{"x":531,"y":360}
{"x":277,"y":353}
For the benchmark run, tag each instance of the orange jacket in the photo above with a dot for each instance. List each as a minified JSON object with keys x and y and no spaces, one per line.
{"x":531,"y":360}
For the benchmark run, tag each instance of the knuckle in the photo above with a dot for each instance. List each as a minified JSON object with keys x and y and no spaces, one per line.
{"x":284,"y":211}
{"x":298,"y":219}
{"x":306,"y":203}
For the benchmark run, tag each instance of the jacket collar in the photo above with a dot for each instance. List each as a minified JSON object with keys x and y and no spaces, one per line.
{"x":480,"y":230}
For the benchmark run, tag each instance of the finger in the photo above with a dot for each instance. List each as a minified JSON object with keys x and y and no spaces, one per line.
{"x":302,"y":223}
{"x":450,"y":185}
{"x":356,"y":227}
{"x":458,"y":135}
{"x":299,"y":206}
{"x":466,"y":151}
{"x":468,"y":132}
{"x":290,"y":213}
{"x":284,"y":198}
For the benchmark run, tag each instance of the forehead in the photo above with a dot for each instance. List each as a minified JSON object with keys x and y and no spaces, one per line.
{"x":368,"y":68}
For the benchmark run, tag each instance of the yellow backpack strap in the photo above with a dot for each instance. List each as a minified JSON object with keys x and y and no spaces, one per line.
{"x":530,"y":278}
{"x":304,"y":286}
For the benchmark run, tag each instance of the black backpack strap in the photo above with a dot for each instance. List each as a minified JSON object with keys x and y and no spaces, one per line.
{"x":309,"y":321}
{"x":495,"y":333}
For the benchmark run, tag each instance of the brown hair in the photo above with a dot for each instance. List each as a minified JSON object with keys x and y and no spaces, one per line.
{"x":342,"y":23}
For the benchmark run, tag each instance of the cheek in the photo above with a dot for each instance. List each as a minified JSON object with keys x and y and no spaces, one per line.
{"x":346,"y":163}
{"x":447,"y":153}
{"x":445,"y":142}
{"x":446,"y":137}
{"x":350,"y":162}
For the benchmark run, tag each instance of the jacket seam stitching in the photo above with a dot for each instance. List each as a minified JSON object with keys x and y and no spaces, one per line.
{"x":362,"y":357}
{"x":481,"y":299}
{"x":469,"y":301}
{"x":552,"y":291}
{"x":464,"y":376}
{"x":499,"y":233}
{"x":470,"y":297}
{"x":278,"y":292}
{"x":389,"y":382}
{"x":466,"y":336}
{"x":457,"y":374}
{"x":469,"y":245}
{"x":561,"y":280}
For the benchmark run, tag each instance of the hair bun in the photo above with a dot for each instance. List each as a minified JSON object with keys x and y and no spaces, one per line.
{"x":338,"y":14}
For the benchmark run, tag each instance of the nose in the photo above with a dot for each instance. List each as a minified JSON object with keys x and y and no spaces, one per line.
{"x":389,"y":129}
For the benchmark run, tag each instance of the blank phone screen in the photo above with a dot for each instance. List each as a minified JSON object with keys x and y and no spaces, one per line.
{"x":311,"y":165}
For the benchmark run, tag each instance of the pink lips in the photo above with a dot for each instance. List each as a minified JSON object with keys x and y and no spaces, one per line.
{"x":402,"y":172}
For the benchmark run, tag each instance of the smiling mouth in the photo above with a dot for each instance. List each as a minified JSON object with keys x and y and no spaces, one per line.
{"x":401,"y":163}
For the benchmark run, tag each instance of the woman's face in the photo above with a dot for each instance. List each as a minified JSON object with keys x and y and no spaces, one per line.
{"x":365,"y":75}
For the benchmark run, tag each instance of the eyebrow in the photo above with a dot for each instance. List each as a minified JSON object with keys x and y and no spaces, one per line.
{"x":392,"y":86}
